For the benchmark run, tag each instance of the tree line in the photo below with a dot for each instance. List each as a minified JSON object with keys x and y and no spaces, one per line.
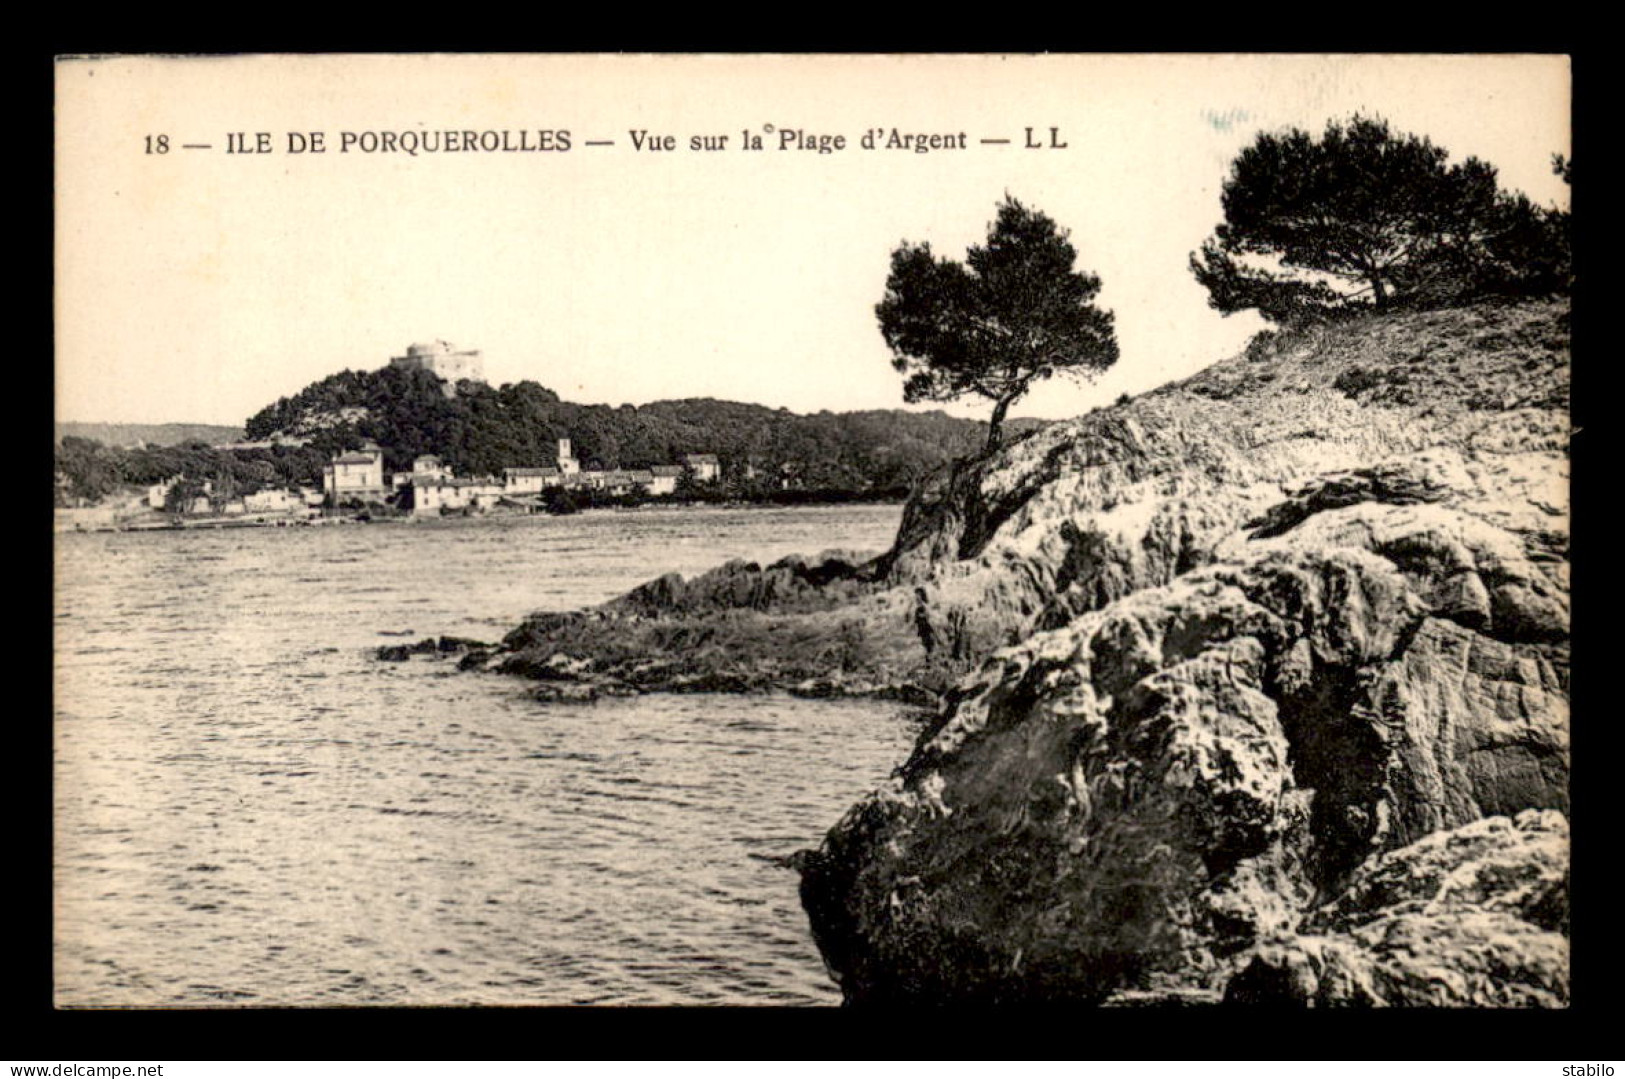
{"x":88,"y":471}
{"x":480,"y":430}
{"x":1359,"y":219}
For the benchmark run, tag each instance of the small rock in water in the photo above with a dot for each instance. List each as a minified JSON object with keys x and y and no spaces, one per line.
{"x":461,"y":644}
{"x":565,"y":692}
{"x":400,"y":653}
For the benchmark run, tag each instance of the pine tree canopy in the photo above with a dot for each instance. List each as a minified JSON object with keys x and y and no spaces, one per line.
{"x":1015,"y":312}
{"x":1366,"y":218}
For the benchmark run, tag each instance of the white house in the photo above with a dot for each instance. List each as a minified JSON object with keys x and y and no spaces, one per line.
{"x":159,"y":492}
{"x":433,"y":496}
{"x":358,"y":474}
{"x":705,"y":466}
{"x":428,"y":467}
{"x":663,"y":479}
{"x":272,"y":500}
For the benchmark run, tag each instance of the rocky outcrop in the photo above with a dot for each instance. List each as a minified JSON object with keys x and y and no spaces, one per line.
{"x":1178,"y":776}
{"x":1214,"y":664}
{"x":1079,"y":514}
{"x":1076,"y":515}
{"x":1476,"y":917}
{"x":1258,"y":630}
{"x":820,"y":627}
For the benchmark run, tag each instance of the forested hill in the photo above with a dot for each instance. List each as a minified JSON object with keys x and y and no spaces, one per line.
{"x":482,"y":430}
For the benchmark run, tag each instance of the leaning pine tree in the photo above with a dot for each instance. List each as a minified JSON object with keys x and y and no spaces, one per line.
{"x":1014,"y":313}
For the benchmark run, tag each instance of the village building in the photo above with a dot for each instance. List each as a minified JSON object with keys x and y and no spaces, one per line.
{"x":568,"y":465}
{"x":427,"y":467}
{"x":158,"y":493}
{"x":617,"y":481}
{"x":358,"y":475}
{"x":431,"y":488}
{"x":663,"y":479}
{"x":157,"y":496}
{"x":704,"y":465}
{"x":434,"y":496}
{"x":272,"y":500}
{"x":521,"y":481}
{"x":620,"y":481}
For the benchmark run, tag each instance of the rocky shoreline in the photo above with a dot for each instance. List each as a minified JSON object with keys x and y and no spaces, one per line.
{"x":821,"y":627}
{"x":1252,"y":688}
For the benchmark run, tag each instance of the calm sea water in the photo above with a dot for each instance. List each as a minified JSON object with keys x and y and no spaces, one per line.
{"x":249,"y":809}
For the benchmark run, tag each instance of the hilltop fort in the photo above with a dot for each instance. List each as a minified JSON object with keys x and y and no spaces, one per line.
{"x":443,"y":360}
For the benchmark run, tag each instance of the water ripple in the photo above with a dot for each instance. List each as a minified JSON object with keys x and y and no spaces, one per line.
{"x":251,"y":812}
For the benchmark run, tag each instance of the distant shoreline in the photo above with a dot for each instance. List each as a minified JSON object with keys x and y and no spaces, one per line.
{"x":218,"y":523}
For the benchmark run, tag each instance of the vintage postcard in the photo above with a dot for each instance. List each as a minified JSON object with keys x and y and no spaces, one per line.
{"x":794,"y":530}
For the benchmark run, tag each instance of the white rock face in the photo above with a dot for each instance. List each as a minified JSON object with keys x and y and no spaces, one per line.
{"x":1473,"y":917}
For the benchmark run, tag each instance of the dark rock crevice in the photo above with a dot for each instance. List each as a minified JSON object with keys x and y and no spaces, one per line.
{"x":1339,"y":751}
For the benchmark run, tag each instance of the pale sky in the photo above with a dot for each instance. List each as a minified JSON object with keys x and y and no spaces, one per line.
{"x":197,"y":286}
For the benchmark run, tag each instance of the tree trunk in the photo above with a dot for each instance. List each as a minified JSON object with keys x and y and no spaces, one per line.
{"x":995,"y":433}
{"x":1378,"y":293}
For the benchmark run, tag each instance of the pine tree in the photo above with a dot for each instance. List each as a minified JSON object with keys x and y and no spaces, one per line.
{"x":1363,"y":218}
{"x":1014,"y":313}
